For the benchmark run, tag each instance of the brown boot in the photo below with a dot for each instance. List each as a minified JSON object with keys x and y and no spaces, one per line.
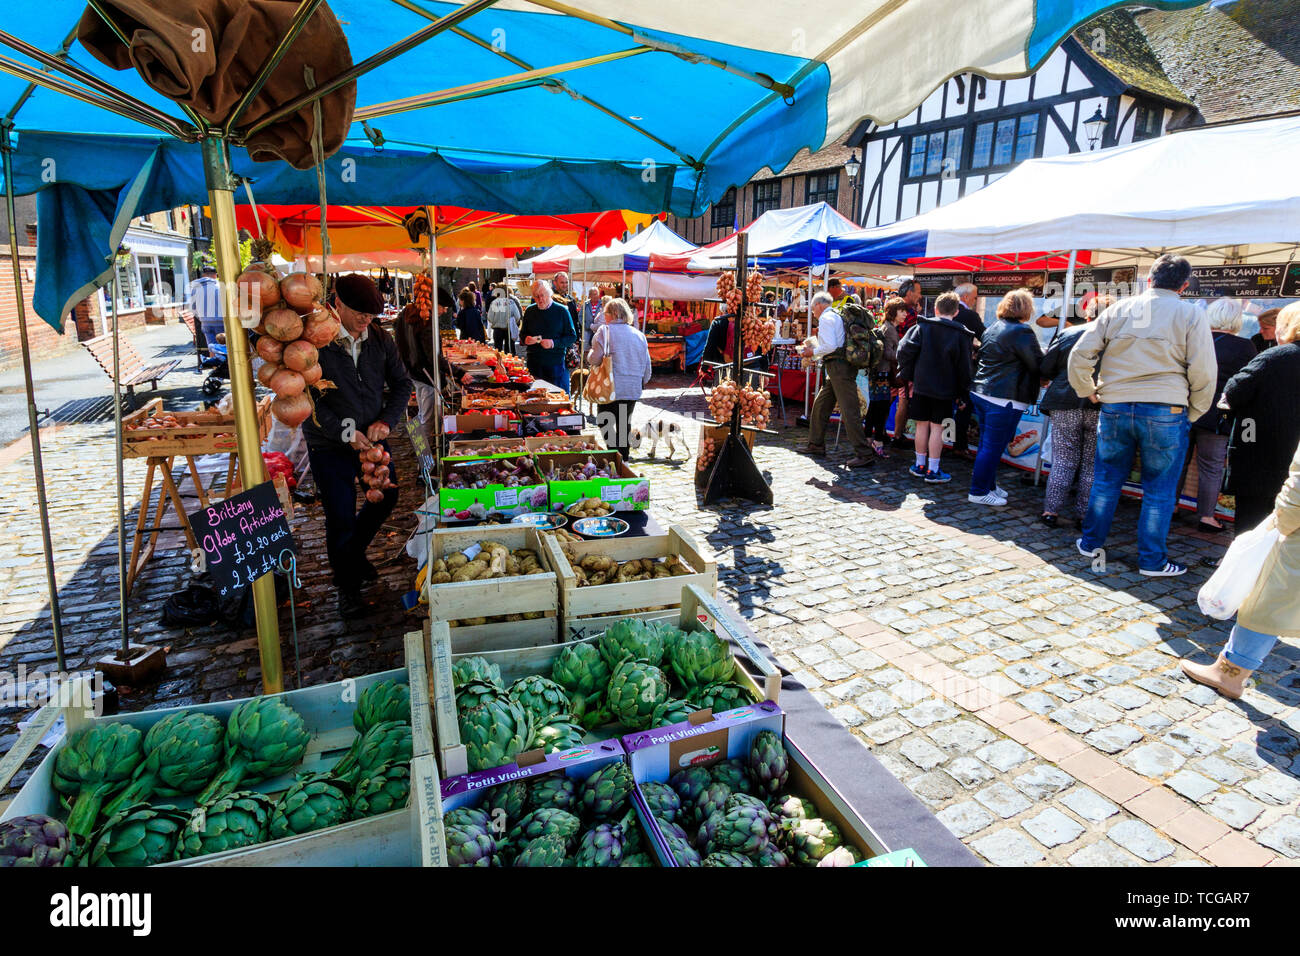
{"x":1223,"y":675}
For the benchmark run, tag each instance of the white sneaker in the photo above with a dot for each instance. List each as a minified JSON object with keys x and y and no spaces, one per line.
{"x":1078,"y":543}
{"x":1000,"y":492}
{"x":990,"y":499}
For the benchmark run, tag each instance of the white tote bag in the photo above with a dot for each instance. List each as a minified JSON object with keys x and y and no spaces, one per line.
{"x":1229,"y":586}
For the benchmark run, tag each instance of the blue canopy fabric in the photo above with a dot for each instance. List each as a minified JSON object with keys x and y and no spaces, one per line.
{"x":652,"y":107}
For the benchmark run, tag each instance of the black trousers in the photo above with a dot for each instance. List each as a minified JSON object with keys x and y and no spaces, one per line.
{"x":877,"y":415}
{"x":501,"y":341}
{"x":961,"y":441}
{"x":614,"y":419}
{"x":348,"y":532}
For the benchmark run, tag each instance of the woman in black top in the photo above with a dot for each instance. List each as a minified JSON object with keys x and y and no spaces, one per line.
{"x":1265,"y":397}
{"x":1211,"y":431}
{"x":469,"y":320}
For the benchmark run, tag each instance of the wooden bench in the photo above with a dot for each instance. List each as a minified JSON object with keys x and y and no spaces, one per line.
{"x":133,"y":370}
{"x":191,"y":323}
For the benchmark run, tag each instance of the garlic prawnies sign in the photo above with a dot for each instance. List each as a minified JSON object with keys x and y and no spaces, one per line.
{"x":242,"y":537}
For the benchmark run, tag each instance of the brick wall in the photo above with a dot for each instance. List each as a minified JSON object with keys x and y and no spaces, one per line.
{"x":42,"y":338}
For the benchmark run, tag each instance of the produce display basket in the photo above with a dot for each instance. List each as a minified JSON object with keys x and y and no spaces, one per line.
{"x":195,"y":433}
{"x":628,"y":492}
{"x":534,"y":594}
{"x":387,"y":839}
{"x":600,"y":604}
{"x":752,"y":668}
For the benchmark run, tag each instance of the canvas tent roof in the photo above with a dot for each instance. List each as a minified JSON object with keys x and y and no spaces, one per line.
{"x":779,"y":239}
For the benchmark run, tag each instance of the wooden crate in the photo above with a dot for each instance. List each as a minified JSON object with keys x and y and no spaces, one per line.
{"x":199,"y":433}
{"x":456,"y":601}
{"x":697,"y":609}
{"x":567,"y":441}
{"x":631,"y":597}
{"x":388,"y":839}
{"x":486,"y":446}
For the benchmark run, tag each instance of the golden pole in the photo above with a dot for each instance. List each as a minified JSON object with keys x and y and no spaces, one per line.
{"x":225,"y":243}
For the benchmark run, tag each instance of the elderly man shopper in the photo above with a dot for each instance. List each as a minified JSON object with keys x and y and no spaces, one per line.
{"x":548,"y":331}
{"x":1153,"y":356}
{"x":839,"y":386}
{"x":371,"y":389}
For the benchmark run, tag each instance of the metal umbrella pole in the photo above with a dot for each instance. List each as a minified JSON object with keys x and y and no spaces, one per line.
{"x":120,"y":490}
{"x":1067,"y":300}
{"x":582,"y":321}
{"x":33,"y":426}
{"x":436,"y":325}
{"x":225,"y":243}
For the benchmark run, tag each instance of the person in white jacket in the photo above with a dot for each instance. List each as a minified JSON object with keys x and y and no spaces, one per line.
{"x":503,"y":317}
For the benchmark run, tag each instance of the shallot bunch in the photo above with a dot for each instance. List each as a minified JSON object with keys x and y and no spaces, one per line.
{"x":755,"y":407}
{"x":754,"y":285}
{"x":727,"y":291}
{"x":722,"y":400}
{"x":757,"y":332}
{"x":423,"y":294}
{"x":375,"y":472}
{"x":294,"y":326}
{"x":708,"y":451}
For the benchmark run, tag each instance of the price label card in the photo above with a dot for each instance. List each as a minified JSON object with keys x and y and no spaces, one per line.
{"x":507,"y":498}
{"x":612,"y":493}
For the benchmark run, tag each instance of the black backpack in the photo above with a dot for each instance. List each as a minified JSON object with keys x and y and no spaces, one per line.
{"x":864,"y":341}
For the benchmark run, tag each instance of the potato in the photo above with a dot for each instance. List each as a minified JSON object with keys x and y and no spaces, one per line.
{"x":512,"y":566}
{"x":440,"y":577}
{"x":598,"y":578}
{"x":457,"y":560}
{"x":438,"y":566}
{"x":471,"y":572}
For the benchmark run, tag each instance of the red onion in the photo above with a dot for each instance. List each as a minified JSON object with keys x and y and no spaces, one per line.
{"x":265,"y":373}
{"x":270,"y":349}
{"x":321,"y":327}
{"x":256,"y":292}
{"x":300,"y":355}
{"x":312,"y":374}
{"x":292,"y":410}
{"x":287,"y":382}
{"x":282,"y":324}
{"x":300,"y":290}
{"x":374,"y":496}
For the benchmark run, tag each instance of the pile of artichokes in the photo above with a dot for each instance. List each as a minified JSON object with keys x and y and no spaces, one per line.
{"x":551,"y":821}
{"x":113,"y":779}
{"x":636,"y":675}
{"x":735,"y":813}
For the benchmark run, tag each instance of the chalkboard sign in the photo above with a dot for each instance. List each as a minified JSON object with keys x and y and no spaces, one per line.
{"x":242,"y":537}
{"x":1245,"y":282}
{"x":415,"y":431}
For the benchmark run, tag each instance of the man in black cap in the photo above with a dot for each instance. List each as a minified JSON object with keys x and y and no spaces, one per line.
{"x":371,"y":389}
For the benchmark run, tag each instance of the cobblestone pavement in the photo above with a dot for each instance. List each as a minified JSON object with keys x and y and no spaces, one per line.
{"x":1035,"y":705}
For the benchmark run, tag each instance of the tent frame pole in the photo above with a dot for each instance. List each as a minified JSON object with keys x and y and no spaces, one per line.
{"x":33,"y":424}
{"x":306,"y":10}
{"x":582,"y":321}
{"x":119,"y":470}
{"x":1067,"y":309}
{"x":221,"y":186}
{"x":436,"y":325}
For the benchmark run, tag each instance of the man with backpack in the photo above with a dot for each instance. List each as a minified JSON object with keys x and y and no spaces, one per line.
{"x":838,"y":384}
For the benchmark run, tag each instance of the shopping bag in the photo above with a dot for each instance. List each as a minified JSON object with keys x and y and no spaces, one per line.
{"x":600,"y":383}
{"x":1228,"y":587}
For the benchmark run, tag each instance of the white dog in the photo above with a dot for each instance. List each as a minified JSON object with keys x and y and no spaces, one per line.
{"x":669,"y":432}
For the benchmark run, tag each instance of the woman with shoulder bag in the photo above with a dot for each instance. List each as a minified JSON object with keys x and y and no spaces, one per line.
{"x":629,"y":366}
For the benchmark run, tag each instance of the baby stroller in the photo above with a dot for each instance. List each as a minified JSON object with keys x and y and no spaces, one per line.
{"x":219,"y":370}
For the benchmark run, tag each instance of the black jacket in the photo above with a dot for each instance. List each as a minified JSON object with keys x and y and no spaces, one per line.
{"x":1233,"y":353}
{"x":469,"y":322}
{"x":934,"y":356}
{"x":971,"y":319}
{"x":1060,"y":395}
{"x":555,"y":323}
{"x":1009,"y":359}
{"x":375,"y":389}
{"x":1266,"y":395}
{"x":414,"y":338}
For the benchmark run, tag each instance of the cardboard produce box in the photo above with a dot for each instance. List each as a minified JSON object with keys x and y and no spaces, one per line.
{"x":475,"y":422}
{"x":628,"y":492}
{"x":453,"y":503}
{"x":562,"y":443}
{"x":487,"y":448}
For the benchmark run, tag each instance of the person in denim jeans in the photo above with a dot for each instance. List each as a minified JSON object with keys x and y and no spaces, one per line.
{"x":1157,"y":373}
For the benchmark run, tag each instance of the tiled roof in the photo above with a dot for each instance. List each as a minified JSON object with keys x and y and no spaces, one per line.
{"x":1121,"y":48}
{"x":1235,"y":62}
{"x":832,"y":157}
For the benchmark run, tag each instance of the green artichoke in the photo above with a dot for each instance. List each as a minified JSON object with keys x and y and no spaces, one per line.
{"x":545,"y":850}
{"x":602,"y":845}
{"x":603,"y":793}
{"x":712,"y":800}
{"x":672,"y":712}
{"x":700,"y":658}
{"x":662,"y":800}
{"x":841,"y":856}
{"x":682,"y":851}
{"x":493,"y":727}
{"x":557,"y":734}
{"x":631,"y":638}
{"x":727,"y":858}
{"x":742,"y":829}
{"x":635,"y":690}
{"x":468,"y":817}
{"x":747,"y":800}
{"x":541,"y":697}
{"x":545,"y":820}
{"x":469,"y":669}
{"x":506,"y":804}
{"x":806,"y":842}
{"x":769,"y":768}
{"x":637,"y":859}
{"x":237,"y":820}
{"x":265,"y":737}
{"x":787,"y":807}
{"x":771,"y":855}
{"x":631,"y":827}
{"x":558,"y":792}
{"x":719,"y":697}
{"x":690,"y":783}
{"x":580,"y":670}
{"x":468,"y":845}
{"x":93,"y":764}
{"x":733,"y":774}
{"x":704,"y":833}
{"x":310,"y":805}
{"x":183,"y":753}
{"x":670,"y":828}
{"x":387,"y":742}
{"x":34,"y":840}
{"x":386,"y":788}
{"x":384,"y":701}
{"x":138,"y":835}
{"x":592,"y":715}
